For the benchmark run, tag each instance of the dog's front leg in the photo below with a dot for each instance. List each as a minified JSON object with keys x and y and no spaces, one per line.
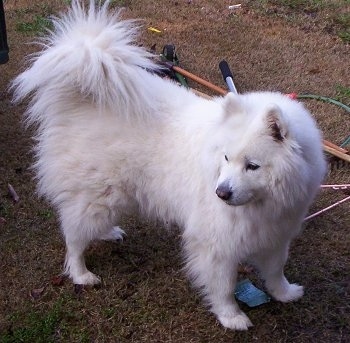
{"x":220,"y":294}
{"x":216,"y":275}
{"x":271,"y":264}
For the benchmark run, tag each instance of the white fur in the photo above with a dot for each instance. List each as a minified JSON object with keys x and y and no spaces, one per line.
{"x":115,"y":139}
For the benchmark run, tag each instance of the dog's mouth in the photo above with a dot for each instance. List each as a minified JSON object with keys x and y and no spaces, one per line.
{"x":236,"y":203}
{"x":233,"y":199}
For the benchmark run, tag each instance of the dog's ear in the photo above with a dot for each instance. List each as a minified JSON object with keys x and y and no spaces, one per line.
{"x":276,"y":124}
{"x":232,"y":105}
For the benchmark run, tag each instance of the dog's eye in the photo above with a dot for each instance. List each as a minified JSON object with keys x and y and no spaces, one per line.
{"x":226,"y":158}
{"x":252,"y":166}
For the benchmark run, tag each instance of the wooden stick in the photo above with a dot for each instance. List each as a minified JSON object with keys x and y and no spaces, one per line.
{"x":336,"y":153}
{"x":198,"y":79}
{"x":334,"y":146}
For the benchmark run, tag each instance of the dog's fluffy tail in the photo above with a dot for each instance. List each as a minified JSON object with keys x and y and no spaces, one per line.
{"x":90,"y":52}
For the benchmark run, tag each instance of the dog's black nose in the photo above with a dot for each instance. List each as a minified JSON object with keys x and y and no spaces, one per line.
{"x":223,"y":193}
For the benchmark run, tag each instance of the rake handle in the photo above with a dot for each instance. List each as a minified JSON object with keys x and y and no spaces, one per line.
{"x":197,"y":79}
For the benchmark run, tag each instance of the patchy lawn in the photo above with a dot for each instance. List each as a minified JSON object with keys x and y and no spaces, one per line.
{"x":290,"y":45}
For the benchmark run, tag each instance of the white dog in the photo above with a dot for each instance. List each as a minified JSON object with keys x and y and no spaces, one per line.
{"x":237,"y":173}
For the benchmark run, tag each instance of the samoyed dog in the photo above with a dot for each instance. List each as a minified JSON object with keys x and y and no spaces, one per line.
{"x":236,"y":173}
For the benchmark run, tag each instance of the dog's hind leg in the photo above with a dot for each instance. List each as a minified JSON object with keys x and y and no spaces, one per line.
{"x":75,"y":266}
{"x":80,"y":227}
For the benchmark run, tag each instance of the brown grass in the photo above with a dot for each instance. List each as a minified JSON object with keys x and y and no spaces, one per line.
{"x":144,"y":296}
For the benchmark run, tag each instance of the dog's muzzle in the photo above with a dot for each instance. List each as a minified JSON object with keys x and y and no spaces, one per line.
{"x":224,"y":192}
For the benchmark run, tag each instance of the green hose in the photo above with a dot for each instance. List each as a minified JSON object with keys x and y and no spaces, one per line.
{"x":325,"y":99}
{"x":330,"y":101}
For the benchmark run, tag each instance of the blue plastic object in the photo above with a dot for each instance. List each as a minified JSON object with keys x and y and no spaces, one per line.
{"x":250,"y":295}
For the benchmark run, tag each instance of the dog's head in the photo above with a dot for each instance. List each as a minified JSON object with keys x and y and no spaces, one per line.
{"x":258,"y":154}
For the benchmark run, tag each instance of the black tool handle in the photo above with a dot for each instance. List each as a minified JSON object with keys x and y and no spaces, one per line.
{"x":4,"y":49}
{"x":225,"y":70}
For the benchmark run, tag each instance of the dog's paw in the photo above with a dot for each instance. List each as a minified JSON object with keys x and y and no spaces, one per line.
{"x":87,"y":278}
{"x":290,"y":293}
{"x":115,"y":234}
{"x":239,"y":321}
